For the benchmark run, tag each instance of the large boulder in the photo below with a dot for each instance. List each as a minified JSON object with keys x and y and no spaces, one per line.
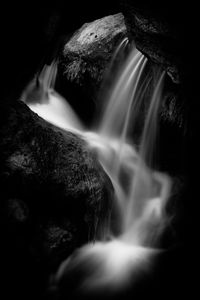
{"x":160,"y":30}
{"x":88,"y":52}
{"x":87,"y":56}
{"x":84,"y":60}
{"x":55,"y":196}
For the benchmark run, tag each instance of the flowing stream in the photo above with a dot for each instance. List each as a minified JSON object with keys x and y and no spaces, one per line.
{"x":141,"y":193}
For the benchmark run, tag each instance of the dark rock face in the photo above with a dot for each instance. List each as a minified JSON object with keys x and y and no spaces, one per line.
{"x":163,"y":31}
{"x":55,"y":196}
{"x":87,"y":55}
{"x":91,"y":47}
{"x":96,"y":40}
{"x":155,"y":40}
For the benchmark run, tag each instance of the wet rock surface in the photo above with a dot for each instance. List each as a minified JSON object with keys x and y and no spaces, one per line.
{"x":55,"y":196}
{"x":155,"y":40}
{"x":84,"y":60}
{"x":87,"y":55}
{"x":88,"y":52}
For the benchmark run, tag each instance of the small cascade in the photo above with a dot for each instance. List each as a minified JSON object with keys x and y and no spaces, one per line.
{"x":141,"y":193}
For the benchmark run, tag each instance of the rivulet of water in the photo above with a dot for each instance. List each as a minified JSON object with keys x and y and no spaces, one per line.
{"x":42,"y":98}
{"x":141,"y":193}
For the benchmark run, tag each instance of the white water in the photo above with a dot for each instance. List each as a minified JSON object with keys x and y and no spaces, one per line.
{"x":41,"y":97}
{"x":140,"y":192}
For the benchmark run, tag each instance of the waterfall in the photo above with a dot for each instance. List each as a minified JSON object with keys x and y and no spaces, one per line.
{"x":141,"y":192}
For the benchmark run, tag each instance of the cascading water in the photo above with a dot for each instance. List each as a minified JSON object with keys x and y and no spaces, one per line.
{"x":41,"y":97}
{"x":140,"y":192}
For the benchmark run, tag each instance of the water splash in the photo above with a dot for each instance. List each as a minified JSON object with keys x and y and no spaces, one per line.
{"x":141,"y":193}
{"x":41,"y":97}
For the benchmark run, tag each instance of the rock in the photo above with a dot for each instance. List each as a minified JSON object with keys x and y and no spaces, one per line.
{"x":92,"y":45}
{"x":87,"y":54}
{"x":55,"y":195}
{"x":156,"y":35}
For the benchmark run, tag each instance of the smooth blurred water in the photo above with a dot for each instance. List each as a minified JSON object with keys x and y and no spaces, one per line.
{"x":141,"y":193}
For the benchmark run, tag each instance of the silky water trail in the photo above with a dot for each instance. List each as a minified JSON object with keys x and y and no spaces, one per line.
{"x":141,"y":193}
